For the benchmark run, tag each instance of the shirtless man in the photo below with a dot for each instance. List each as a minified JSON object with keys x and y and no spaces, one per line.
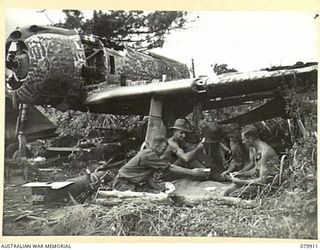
{"x":242,"y":159}
{"x":178,"y":151}
{"x":265,"y":165}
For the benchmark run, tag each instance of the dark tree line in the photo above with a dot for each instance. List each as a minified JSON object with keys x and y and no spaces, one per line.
{"x":140,"y":30}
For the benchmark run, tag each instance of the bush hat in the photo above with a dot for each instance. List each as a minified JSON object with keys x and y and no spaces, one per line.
{"x":182,"y":124}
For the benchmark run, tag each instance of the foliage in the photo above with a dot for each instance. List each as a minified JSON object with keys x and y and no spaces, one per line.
{"x":222,"y":69}
{"x":275,"y":133}
{"x":108,"y":136}
{"x":89,"y":125}
{"x":302,"y":105}
{"x":298,"y":192}
{"x":74,"y":19}
{"x":140,"y":30}
{"x":138,"y":218}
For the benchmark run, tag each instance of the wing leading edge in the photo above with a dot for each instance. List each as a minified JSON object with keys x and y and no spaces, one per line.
{"x":220,"y":91}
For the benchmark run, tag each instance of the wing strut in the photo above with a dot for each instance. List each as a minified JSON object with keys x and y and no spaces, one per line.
{"x":155,"y":126}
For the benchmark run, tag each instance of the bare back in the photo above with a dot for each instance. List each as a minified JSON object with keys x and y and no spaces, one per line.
{"x":266,"y":159}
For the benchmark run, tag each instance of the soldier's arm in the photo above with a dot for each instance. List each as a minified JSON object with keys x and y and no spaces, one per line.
{"x":187,"y":156}
{"x":249,"y":172}
{"x":232,"y":166}
{"x":225,"y":148}
{"x":248,"y":166}
{"x":262,"y":172}
{"x":197,"y":172}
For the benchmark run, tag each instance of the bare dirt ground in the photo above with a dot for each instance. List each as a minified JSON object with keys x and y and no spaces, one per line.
{"x":19,"y":201}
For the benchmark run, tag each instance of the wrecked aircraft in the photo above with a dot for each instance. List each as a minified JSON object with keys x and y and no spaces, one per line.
{"x":61,"y":68}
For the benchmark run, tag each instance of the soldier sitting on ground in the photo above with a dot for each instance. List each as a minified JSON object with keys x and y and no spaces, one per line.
{"x":264,"y":171}
{"x":241,"y":161}
{"x":137,"y":174}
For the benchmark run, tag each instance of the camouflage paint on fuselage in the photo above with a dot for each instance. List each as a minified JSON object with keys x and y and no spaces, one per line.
{"x":59,"y":67}
{"x":55,"y":60}
{"x":143,"y":68}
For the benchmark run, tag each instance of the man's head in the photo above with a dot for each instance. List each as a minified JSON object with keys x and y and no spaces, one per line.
{"x":159,"y":144}
{"x":249,"y":134}
{"x":180,"y":128}
{"x":179,"y":135}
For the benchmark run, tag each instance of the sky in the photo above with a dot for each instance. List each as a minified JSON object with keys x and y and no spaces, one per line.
{"x":246,"y":41}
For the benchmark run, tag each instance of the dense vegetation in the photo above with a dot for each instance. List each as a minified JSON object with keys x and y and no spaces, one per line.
{"x":140,"y":30}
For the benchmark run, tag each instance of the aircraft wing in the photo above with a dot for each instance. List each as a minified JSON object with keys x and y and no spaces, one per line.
{"x":212,"y":92}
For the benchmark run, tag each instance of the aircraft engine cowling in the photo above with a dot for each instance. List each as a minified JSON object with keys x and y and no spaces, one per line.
{"x":45,"y":64}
